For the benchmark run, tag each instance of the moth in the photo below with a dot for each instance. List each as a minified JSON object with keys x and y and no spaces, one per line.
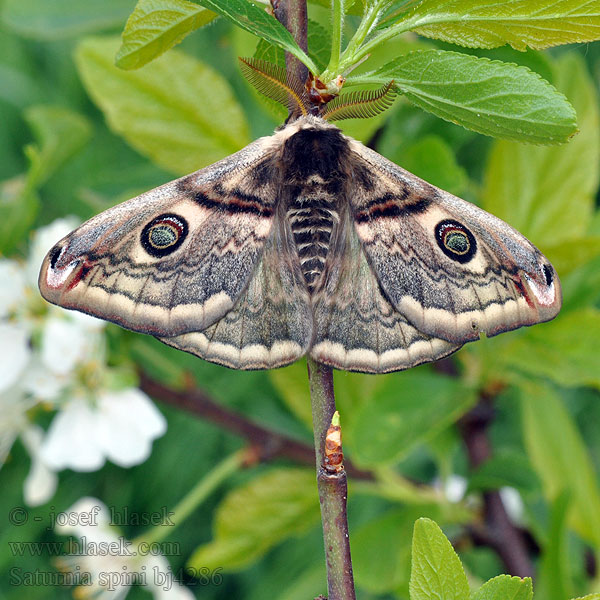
{"x":304,"y":242}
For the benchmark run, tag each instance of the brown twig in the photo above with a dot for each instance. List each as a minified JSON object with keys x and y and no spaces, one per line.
{"x":499,"y":531}
{"x":332,"y":486}
{"x":292,"y":14}
{"x":333,"y":490}
{"x":268,"y":443}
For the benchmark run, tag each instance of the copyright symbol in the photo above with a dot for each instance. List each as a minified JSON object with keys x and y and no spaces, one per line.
{"x":18,"y":516}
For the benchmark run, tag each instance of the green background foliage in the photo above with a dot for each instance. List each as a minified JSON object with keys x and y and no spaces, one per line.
{"x":80,"y":134}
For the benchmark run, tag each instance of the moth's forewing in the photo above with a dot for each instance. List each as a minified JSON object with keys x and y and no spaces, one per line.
{"x":175,"y":259}
{"x":454,"y":270}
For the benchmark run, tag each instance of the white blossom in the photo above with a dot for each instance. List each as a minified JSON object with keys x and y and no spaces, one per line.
{"x":14,"y":354}
{"x":452,"y":487}
{"x":121,"y":426}
{"x":41,"y":481}
{"x":52,"y":359}
{"x":13,"y":408}
{"x":513,"y":503}
{"x":113,"y":570}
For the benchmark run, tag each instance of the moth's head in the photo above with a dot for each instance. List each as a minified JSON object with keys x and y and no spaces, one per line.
{"x":314,"y":97}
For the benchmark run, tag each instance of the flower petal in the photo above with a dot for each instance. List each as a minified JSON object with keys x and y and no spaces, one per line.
{"x":513,"y":503}
{"x":7,"y":439}
{"x":128,"y":422}
{"x":65,"y":343}
{"x":42,"y":383}
{"x":14,"y":405}
{"x":40,"y":484}
{"x":87,"y":516}
{"x":14,"y":353}
{"x":161,"y":580}
{"x":12,"y":286}
{"x":72,"y":440}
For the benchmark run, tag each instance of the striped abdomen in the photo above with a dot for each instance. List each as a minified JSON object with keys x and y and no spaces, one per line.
{"x":312,"y":215}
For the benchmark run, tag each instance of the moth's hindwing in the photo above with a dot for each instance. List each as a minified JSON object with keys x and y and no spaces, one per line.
{"x":175,"y":259}
{"x":453,"y":270}
{"x":271,"y":324}
{"x":357,"y":329}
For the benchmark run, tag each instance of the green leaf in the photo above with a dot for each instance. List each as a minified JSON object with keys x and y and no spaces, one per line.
{"x":548,"y":193}
{"x":292,"y":385}
{"x":506,"y":468}
{"x":565,"y":350}
{"x":553,"y":578}
{"x":19,"y":206}
{"x":504,"y":587}
{"x":411,"y":407}
{"x":319,"y":44}
{"x":436,"y":569}
{"x":60,"y":133}
{"x":255,"y":19}
{"x":491,"y":97}
{"x":559,"y":455}
{"x":306,"y":585}
{"x":351,"y":7}
{"x":318,"y":47}
{"x":155,"y":26}
{"x":255,"y":517}
{"x":177,"y":110}
{"x":581,"y":288}
{"x":433,"y":160}
{"x":57,"y":19}
{"x":520,"y":23}
{"x":381,"y":552}
{"x":538,"y":61}
{"x":571,"y":253}
{"x":19,"y":88}
{"x":157,"y":359}
{"x":408,"y":124}
{"x":589,"y":597}
{"x":363,"y":129}
{"x":594,"y":228}
{"x":352,"y":390}
{"x":270,"y":53}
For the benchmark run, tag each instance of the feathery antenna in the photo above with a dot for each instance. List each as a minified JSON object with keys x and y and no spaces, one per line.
{"x":360,"y":105}
{"x":272,"y":81}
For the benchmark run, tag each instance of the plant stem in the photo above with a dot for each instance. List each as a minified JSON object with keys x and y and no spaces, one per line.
{"x":333,"y":488}
{"x":336,"y":36}
{"x":292,"y":14}
{"x":506,"y":539}
{"x":349,"y":55}
{"x":323,"y":404}
{"x":386,"y":34}
{"x":190,"y":502}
